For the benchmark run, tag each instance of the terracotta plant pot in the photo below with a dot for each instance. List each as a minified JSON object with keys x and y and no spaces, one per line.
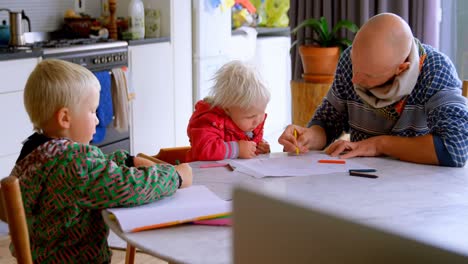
{"x":319,"y":63}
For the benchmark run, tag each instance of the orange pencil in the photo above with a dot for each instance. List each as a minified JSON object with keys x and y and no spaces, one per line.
{"x":173,"y":223}
{"x":332,"y":161}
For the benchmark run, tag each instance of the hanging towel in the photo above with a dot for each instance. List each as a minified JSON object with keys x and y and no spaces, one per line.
{"x":105,"y":111}
{"x":120,"y":99}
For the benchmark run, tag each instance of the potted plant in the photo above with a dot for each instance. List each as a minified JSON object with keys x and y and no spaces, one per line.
{"x":321,"y":52}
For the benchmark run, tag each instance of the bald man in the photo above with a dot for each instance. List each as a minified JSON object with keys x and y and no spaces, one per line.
{"x":395,"y":96}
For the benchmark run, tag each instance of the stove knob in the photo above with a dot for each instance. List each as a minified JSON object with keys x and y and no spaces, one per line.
{"x":95,"y":61}
{"x":116,"y":58}
{"x":103,"y":59}
{"x":109,"y":59}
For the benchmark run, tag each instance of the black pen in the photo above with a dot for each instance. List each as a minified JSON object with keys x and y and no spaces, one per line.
{"x":362,"y":170}
{"x":365,"y":175}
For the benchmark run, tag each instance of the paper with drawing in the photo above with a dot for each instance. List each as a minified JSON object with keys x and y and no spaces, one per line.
{"x":281,"y":164}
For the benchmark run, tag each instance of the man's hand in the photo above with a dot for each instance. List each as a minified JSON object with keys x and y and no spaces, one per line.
{"x":413,"y":149}
{"x":307,"y":138}
{"x":263,"y":147}
{"x":247,"y":149}
{"x":364,"y":148}
{"x":185,"y":172}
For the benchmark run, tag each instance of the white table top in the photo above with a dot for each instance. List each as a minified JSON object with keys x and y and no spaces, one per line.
{"x":426,"y":203}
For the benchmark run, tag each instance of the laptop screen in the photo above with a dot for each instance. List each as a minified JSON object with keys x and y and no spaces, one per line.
{"x":268,"y":230}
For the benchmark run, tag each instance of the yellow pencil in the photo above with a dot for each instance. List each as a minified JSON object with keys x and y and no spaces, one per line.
{"x":295,"y":136}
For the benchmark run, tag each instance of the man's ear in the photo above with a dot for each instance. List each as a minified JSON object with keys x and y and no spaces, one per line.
{"x":402,"y":67}
{"x":63,"y":117}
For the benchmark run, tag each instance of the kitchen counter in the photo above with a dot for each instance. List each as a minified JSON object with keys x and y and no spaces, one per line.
{"x":148,"y":41}
{"x":10,"y":54}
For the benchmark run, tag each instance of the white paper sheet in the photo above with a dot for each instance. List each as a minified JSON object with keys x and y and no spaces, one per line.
{"x":282,"y":164}
{"x":186,"y":204}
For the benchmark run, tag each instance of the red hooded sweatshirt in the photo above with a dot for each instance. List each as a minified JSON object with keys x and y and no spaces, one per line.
{"x":214,"y":136}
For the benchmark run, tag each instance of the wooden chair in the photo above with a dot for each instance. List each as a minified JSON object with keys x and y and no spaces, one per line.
{"x":12,"y":211}
{"x":172,"y":156}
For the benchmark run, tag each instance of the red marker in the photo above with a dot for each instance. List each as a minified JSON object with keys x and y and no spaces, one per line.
{"x":332,"y":161}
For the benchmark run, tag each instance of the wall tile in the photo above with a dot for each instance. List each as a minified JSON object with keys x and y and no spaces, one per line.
{"x":46,"y":15}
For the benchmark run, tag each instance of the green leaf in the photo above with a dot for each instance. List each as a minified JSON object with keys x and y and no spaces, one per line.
{"x":324,"y":26}
{"x":323,"y":36}
{"x":345,"y":24}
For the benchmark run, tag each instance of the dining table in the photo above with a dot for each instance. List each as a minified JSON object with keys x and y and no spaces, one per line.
{"x":423,"y":202}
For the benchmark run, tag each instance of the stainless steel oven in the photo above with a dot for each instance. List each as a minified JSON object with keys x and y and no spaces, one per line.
{"x":95,"y":55}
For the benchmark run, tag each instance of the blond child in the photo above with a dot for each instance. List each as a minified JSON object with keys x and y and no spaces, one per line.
{"x":229,"y":123}
{"x":65,"y":181}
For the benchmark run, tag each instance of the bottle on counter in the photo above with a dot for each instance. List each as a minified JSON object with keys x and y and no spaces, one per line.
{"x":136,"y":22}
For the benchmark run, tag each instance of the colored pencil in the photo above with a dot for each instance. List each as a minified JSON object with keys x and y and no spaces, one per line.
{"x":173,"y":223}
{"x":332,"y":161}
{"x":365,"y":175}
{"x":295,"y":136}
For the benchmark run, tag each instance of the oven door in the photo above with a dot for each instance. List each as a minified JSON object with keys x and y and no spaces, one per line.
{"x":113,"y":88}
{"x":114,"y":140}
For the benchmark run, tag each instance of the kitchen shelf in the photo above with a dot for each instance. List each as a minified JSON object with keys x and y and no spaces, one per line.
{"x":267,"y":32}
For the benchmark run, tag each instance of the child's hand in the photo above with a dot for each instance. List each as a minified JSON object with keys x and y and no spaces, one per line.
{"x":263,"y":147}
{"x":142,"y":162}
{"x":247,"y":149}
{"x":185,"y":172}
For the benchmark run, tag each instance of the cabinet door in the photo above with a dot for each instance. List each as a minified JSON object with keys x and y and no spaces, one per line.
{"x":13,"y":115}
{"x":151,"y":78}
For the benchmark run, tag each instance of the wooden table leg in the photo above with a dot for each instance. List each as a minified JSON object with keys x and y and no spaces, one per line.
{"x":130,"y":254}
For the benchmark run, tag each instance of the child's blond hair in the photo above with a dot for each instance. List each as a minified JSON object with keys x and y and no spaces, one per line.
{"x":238,"y":84}
{"x":54,"y":84}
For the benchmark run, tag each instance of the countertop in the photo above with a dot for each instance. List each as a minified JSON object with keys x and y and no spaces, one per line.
{"x":12,"y":54}
{"x":148,"y":41}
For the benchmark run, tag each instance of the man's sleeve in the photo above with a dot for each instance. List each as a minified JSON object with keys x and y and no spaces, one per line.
{"x":332,"y":114}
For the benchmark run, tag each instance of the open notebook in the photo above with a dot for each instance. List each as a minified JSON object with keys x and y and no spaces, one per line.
{"x":191,"y":204}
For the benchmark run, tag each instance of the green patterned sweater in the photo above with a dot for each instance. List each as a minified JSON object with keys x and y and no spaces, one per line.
{"x":65,"y":185}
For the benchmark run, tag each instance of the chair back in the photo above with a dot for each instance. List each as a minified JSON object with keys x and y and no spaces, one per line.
{"x":13,"y":209}
{"x":172,"y":156}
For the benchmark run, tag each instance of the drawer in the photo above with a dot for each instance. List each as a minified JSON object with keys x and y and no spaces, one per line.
{"x":15,"y":121}
{"x":15,"y":73}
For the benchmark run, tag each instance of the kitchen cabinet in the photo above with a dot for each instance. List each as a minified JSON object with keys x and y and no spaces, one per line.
{"x":13,"y":116}
{"x":151,"y":79}
{"x":160,"y":74}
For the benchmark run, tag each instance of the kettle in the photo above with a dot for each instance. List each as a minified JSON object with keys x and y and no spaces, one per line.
{"x":16,"y":27}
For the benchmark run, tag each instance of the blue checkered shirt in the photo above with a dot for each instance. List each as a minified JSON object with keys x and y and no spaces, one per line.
{"x":435,"y":106}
